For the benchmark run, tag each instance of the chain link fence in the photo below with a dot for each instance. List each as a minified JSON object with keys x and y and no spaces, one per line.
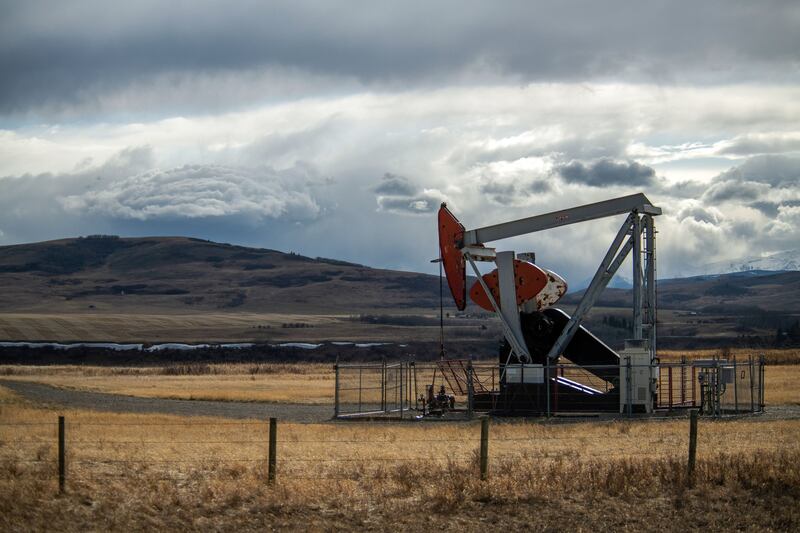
{"x":454,"y":388}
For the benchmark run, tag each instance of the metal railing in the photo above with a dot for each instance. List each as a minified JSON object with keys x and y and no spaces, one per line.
{"x":401,"y":389}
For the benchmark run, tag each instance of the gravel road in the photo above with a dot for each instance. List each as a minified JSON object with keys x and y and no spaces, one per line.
{"x":118,"y":403}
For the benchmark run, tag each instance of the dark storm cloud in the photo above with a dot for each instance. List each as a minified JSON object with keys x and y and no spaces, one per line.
{"x":756,"y":178}
{"x":510,"y":193}
{"x":59,"y":54}
{"x":734,"y":190}
{"x":396,"y":194}
{"x":501,"y":193}
{"x":393,"y":185}
{"x":762,"y":144}
{"x":607,"y":172}
{"x":776,"y":171}
{"x":540,"y":186}
{"x":771,"y":209}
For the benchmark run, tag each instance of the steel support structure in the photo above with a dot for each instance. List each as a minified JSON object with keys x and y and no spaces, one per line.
{"x":617,"y":206}
{"x":650,"y":315}
{"x":639,"y":227}
{"x":514,"y":335}
{"x":614,"y":257}
{"x":637,"y":276}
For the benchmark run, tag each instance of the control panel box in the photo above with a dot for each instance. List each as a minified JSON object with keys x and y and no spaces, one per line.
{"x":637,"y":390}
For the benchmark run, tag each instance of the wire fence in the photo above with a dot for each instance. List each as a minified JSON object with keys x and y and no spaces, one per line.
{"x":65,"y":452}
{"x":452,"y":386}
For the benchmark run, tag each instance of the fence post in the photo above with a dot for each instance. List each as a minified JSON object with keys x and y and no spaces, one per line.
{"x":735,"y":386}
{"x":416,"y":390}
{"x":401,"y":390}
{"x":412,"y":368}
{"x":555,"y":388}
{"x":546,"y":369}
{"x":383,"y":385}
{"x":628,"y":387}
{"x":692,"y":445}
{"x":669,"y":387}
{"x":752,"y":386}
{"x":273,"y":452}
{"x":336,"y":391}
{"x":718,"y":391}
{"x":761,"y":362}
{"x":683,"y":380}
{"x":470,"y":390}
{"x":359,"y":388}
{"x":484,"y":447}
{"x":62,"y":467}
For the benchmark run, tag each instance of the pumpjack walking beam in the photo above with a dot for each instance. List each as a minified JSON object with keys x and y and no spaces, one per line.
{"x":640,"y":220}
{"x":616,"y":206}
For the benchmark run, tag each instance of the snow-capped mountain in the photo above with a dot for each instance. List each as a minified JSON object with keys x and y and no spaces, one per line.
{"x":786,"y":260}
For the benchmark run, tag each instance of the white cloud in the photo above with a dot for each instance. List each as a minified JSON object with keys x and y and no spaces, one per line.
{"x":196,"y":191}
{"x":489,"y":151}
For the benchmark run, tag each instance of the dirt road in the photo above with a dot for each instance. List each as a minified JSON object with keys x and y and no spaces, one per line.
{"x":117,"y":403}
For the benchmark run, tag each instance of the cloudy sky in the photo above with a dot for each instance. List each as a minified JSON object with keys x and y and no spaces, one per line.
{"x":336,"y":128}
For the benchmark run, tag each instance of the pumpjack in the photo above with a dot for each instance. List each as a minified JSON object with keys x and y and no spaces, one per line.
{"x":538,"y":336}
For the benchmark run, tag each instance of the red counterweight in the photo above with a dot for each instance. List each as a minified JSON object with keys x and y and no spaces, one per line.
{"x":528,"y":278}
{"x":451,"y":234}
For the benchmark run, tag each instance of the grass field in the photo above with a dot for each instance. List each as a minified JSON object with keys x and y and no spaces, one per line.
{"x":117,"y":327}
{"x":155,"y":472}
{"x":291,"y":383}
{"x":311,"y":383}
{"x":154,"y":324}
{"x":133,"y":471}
{"x":233,"y":327}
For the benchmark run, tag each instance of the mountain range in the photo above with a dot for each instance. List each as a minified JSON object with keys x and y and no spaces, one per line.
{"x":112,"y":284}
{"x":192,"y":275}
{"x":786,"y":260}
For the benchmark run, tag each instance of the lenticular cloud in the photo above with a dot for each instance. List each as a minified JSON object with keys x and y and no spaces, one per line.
{"x":199,"y":191}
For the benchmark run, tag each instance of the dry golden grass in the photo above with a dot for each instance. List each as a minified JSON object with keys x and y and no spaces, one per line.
{"x":309,"y":383}
{"x":120,"y":327}
{"x":108,"y":326}
{"x":772,"y":356}
{"x":782,"y":385}
{"x":164,"y":472}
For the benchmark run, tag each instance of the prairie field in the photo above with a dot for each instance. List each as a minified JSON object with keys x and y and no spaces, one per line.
{"x":772,"y":356}
{"x":220,"y":327}
{"x":309,"y":383}
{"x":152,"y":471}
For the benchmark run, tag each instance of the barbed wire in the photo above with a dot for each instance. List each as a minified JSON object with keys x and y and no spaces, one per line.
{"x":660,"y":440}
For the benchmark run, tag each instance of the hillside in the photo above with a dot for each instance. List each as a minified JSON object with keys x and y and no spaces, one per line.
{"x":738,"y":293}
{"x":176,"y":289}
{"x":177,"y":274}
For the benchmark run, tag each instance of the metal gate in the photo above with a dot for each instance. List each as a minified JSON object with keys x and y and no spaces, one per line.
{"x":715,"y":386}
{"x":372,"y":389}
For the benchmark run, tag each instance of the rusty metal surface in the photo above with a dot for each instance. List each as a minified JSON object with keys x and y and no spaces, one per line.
{"x":530,"y":280}
{"x":552,"y":292}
